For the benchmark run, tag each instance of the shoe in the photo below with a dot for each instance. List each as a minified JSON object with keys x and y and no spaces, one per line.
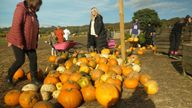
{"x":10,"y":82}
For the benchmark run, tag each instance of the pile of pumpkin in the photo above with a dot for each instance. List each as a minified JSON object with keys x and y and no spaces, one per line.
{"x":77,"y":79}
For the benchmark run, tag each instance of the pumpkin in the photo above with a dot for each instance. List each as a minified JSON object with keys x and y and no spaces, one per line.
{"x":104,"y":67}
{"x":18,"y":74}
{"x":84,"y":68}
{"x":92,"y":63}
{"x":74,"y":68}
{"x":30,"y":87}
{"x":43,"y":104}
{"x":131,"y":83}
{"x":144,"y":78}
{"x":112,"y":62}
{"x":136,"y":39}
{"x":56,"y":93}
{"x":102,"y":60}
{"x":130,"y":39}
{"x":83,"y":82}
{"x":104,"y":77}
{"x":51,"y":80}
{"x":126,"y":70}
{"x":107,"y":94}
{"x":64,"y":77}
{"x":96,"y":74}
{"x":75,"y":76}
{"x":45,"y":95}
{"x":70,"y":98}
{"x":98,"y":82}
{"x":88,"y":93}
{"x":53,"y":73}
{"x":11,"y":98}
{"x":116,"y":68}
{"x":39,"y":74}
{"x":60,"y":69}
{"x":68,"y":64}
{"x":70,"y":85}
{"x":140,"y":52}
{"x":136,"y":68}
{"x":93,"y":54}
{"x":105,"y":51}
{"x":137,"y":61}
{"x":59,"y":86}
{"x":28,"y":99}
{"x":83,"y":60}
{"x":114,"y":81}
{"x":151,"y":87}
{"x":52,"y":58}
{"x":48,"y":87}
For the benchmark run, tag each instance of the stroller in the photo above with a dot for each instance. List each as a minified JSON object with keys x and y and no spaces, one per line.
{"x":67,"y":46}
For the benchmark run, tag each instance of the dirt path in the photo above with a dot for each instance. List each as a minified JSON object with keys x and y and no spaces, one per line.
{"x":175,"y":90}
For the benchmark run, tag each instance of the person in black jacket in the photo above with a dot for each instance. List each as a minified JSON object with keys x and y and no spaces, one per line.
{"x":149,"y":34}
{"x":175,"y":38}
{"x":97,"y":39}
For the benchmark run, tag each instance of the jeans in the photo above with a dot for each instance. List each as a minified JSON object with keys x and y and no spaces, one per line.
{"x":20,"y":59}
{"x":175,"y":41}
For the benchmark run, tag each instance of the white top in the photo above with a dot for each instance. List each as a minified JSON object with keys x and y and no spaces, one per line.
{"x":93,"y":28}
{"x":66,"y":34}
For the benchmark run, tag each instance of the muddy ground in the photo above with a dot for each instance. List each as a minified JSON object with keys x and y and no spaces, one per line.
{"x":175,"y":89}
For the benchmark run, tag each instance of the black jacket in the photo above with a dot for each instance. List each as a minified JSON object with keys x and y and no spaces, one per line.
{"x":101,"y":40}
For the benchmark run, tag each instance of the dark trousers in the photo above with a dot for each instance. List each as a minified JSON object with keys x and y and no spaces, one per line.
{"x":20,"y":59}
{"x":92,"y":42}
{"x":175,"y":41}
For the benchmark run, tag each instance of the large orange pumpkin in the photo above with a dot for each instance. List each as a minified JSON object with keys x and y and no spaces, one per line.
{"x":96,"y":74}
{"x":18,"y":74}
{"x":107,"y":94}
{"x":116,"y":82}
{"x":88,"y":93}
{"x":112,"y":62}
{"x":131,"y":83}
{"x":70,"y":98}
{"x":70,"y":85}
{"x":43,"y":104}
{"x":12,"y":97}
{"x":28,"y":99}
{"x":52,"y":59}
{"x":51,"y":80}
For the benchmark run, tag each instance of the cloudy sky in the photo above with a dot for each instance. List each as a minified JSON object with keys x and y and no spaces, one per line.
{"x":77,"y":12}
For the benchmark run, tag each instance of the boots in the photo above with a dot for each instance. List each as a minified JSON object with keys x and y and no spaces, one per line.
{"x":34,"y":79}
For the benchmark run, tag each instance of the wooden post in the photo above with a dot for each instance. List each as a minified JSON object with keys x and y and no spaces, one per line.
{"x":122,"y":35}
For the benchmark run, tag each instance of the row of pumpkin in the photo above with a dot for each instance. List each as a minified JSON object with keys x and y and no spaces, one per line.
{"x":73,"y":80}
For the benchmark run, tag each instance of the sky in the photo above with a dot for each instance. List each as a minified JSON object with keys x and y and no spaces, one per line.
{"x":77,"y":12}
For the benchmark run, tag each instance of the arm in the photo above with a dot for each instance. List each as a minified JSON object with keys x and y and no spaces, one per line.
{"x":99,"y":25}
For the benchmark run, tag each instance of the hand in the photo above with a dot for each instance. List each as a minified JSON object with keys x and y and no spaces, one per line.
{"x":9,"y":44}
{"x":96,"y":35}
{"x":20,"y":46}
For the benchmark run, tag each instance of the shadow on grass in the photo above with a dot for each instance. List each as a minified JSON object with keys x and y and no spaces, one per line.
{"x":139,"y":99}
{"x":178,"y":66}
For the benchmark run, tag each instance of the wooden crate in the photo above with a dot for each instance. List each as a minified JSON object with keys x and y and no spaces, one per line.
{"x":187,"y":58}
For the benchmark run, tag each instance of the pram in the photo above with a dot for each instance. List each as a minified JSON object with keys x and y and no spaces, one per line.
{"x":67,"y":46}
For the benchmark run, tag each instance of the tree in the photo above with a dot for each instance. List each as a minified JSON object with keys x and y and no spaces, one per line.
{"x":146,"y":16}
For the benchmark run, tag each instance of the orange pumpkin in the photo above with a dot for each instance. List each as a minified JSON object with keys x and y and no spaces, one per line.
{"x":104,"y":67}
{"x":88,"y":93}
{"x":83,"y":60}
{"x":75,"y":76}
{"x":116,"y":68}
{"x":70,"y":98}
{"x":107,"y":94}
{"x":51,"y":80}
{"x":116,"y":82}
{"x":92,"y":63}
{"x":43,"y":104}
{"x":126,"y":70}
{"x":64,"y":77}
{"x":140,"y":52}
{"x":39,"y":74}
{"x":68,"y":64}
{"x":70,"y":85}
{"x":144,"y":78}
{"x":54,"y":73}
{"x":96,"y":74}
{"x":52,"y":59}
{"x":18,"y":74}
{"x":112,"y":62}
{"x":28,"y":99}
{"x":12,"y":97}
{"x":102,"y":60}
{"x":131,"y":83}
{"x":84,"y":68}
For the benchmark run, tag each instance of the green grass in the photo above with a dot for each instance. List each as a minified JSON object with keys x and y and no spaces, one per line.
{"x":3,"y":41}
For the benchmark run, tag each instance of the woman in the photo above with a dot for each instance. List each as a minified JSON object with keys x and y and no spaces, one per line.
{"x":97,"y":38}
{"x":23,"y":37}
